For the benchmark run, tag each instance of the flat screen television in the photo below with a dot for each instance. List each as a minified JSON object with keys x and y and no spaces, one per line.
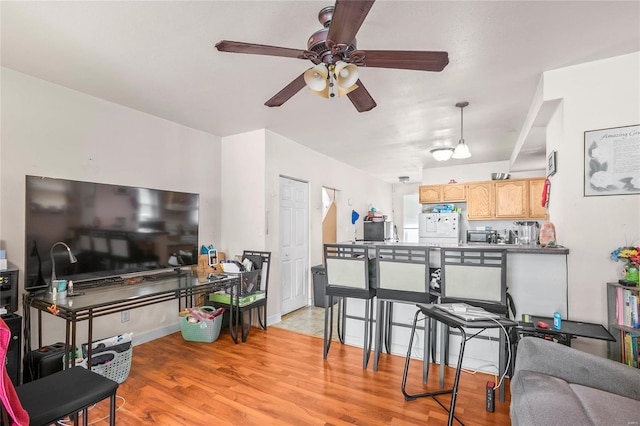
{"x":112,"y":230}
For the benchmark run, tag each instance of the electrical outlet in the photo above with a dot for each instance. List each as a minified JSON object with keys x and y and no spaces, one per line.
{"x":124,"y":316}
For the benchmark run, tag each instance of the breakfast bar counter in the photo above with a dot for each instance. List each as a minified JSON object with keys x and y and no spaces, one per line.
{"x":537,"y":281}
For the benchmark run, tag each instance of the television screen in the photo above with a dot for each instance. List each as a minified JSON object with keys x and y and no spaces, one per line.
{"x":112,"y":230}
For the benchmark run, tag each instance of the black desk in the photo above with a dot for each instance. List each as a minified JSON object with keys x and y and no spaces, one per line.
{"x":97,"y":302}
{"x":567,"y":331}
{"x":431,"y":311}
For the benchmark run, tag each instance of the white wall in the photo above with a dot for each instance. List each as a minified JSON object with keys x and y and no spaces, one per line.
{"x":471,"y":172}
{"x":243,"y":193}
{"x":594,"y":95}
{"x":356,"y":190}
{"x":49,"y":130}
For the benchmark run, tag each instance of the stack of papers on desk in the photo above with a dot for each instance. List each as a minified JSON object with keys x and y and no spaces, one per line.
{"x":466,"y":312}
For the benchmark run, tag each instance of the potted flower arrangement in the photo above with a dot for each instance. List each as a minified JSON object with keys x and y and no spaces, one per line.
{"x":631,"y":258}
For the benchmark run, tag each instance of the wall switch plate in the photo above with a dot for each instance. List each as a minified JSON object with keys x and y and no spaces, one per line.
{"x":125,"y":316}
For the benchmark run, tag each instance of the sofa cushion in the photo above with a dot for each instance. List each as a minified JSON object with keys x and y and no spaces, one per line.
{"x":540,"y":399}
{"x":605,"y":408}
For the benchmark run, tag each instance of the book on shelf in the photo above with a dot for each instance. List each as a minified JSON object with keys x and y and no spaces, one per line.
{"x":630,"y":348}
{"x":627,"y":307}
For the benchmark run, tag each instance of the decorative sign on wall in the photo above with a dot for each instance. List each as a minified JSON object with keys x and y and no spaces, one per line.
{"x":612,"y":161}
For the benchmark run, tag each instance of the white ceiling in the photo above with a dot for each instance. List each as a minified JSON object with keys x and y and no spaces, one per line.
{"x":159,"y":57}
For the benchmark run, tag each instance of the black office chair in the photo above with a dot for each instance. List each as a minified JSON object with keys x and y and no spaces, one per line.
{"x":54,"y":397}
{"x":403,"y":276}
{"x":348,"y":267}
{"x":261,"y":261}
{"x":478,"y":277}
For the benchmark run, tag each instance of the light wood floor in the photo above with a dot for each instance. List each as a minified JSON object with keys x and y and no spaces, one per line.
{"x":279,"y":377}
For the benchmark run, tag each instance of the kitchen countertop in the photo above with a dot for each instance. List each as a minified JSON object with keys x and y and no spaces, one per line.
{"x":516,"y":248}
{"x":511,"y":248}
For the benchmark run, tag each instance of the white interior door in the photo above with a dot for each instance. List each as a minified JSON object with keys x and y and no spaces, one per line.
{"x":294,"y":244}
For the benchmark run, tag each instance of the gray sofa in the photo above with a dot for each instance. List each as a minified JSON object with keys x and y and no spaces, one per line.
{"x":554,"y":384}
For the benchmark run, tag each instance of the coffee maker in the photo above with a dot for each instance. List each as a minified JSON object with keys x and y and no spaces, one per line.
{"x":528,"y":232}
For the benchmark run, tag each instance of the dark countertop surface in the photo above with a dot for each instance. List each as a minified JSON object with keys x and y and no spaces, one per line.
{"x":511,"y":248}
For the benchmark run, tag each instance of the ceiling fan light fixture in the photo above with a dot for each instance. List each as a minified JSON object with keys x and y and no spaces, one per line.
{"x":346,"y":75}
{"x":442,"y":154}
{"x":316,"y":78}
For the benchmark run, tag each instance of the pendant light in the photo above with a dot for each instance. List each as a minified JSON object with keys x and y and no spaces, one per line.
{"x":462,"y":150}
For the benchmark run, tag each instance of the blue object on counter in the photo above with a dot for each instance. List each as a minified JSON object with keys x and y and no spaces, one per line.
{"x":443,"y":208}
{"x":557,"y":321}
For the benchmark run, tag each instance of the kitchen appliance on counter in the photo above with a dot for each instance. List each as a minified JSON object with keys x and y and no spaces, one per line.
{"x":482,"y":237}
{"x":378,"y":230}
{"x":528,"y":231}
{"x":502,"y":236}
{"x":439,"y":228}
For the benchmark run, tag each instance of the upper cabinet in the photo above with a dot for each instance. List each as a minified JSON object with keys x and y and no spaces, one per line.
{"x":501,"y":199}
{"x":441,"y":193}
{"x":430,"y":194}
{"x":512,"y":199}
{"x":536,"y":187}
{"x":480,"y":200}
{"x":454,"y":192}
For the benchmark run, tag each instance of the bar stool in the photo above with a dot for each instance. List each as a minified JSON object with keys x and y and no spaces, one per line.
{"x":402,"y":274}
{"x":477,"y":276}
{"x":348,"y":269}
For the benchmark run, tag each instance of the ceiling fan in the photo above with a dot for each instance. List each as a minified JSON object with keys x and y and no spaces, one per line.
{"x":334,"y":48}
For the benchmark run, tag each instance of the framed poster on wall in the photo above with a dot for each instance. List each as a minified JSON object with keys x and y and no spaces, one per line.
{"x":612,"y":161}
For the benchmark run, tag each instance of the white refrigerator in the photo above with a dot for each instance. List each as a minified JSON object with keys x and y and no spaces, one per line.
{"x":439,"y":228}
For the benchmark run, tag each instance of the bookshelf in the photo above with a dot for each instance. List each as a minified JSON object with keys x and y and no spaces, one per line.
{"x":623,"y":323}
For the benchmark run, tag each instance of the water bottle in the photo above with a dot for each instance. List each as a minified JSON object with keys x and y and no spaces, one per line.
{"x":557,"y":321}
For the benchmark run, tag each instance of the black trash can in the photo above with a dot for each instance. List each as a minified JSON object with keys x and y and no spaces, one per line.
{"x":320,"y":299}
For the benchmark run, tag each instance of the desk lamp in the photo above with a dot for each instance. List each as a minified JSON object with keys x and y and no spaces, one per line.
{"x":72,"y":259}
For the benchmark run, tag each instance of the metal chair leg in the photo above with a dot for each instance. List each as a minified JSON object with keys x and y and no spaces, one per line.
{"x":366,"y":350}
{"x":342,"y":318}
{"x":379,"y":334}
{"x":262,"y":319}
{"x":328,"y":326}
{"x":388,"y":320}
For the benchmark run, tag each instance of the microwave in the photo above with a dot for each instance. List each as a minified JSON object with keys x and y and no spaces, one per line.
{"x":378,"y":231}
{"x":483,"y":237}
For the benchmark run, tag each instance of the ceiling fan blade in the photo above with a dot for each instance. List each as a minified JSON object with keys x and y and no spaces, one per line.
{"x":348,"y":16}
{"x":260,"y":49}
{"x":361,"y":99}
{"x":401,"y":59}
{"x":285,"y":94}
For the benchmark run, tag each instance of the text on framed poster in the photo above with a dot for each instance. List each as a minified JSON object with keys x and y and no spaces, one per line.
{"x":612,"y":161}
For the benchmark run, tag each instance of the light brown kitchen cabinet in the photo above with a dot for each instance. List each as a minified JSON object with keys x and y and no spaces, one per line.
{"x":512,"y":199}
{"x":442,"y":193}
{"x":430,"y":194}
{"x":480,"y":200}
{"x":536,"y":211}
{"x":508,"y":199}
{"x":454,"y":192}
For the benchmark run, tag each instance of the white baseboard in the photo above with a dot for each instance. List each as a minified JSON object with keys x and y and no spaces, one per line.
{"x":148,"y":336}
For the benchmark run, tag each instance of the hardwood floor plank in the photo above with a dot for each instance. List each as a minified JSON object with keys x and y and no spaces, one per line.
{"x":279,"y":377}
